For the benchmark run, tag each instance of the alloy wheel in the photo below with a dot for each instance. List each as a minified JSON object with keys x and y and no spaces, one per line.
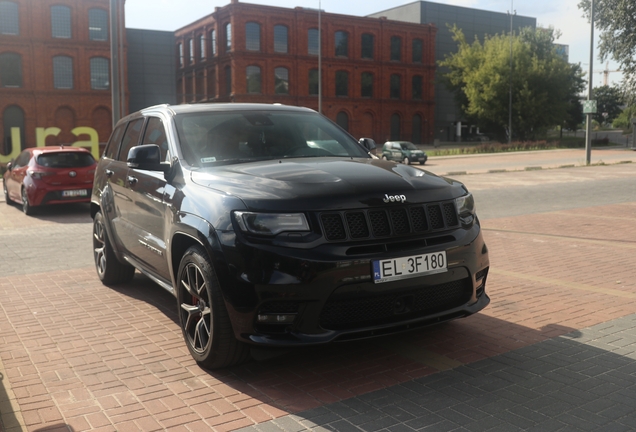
{"x":99,"y":247}
{"x":195,"y":308}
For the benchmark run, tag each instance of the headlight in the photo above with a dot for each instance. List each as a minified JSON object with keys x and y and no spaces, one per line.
{"x":466,"y":208}
{"x":271,"y":223}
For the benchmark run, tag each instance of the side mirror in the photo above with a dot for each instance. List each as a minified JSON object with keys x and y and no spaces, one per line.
{"x":147,"y":157}
{"x":368,"y":144}
{"x":9,"y":165}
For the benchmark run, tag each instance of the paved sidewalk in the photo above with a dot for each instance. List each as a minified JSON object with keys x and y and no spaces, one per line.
{"x":553,"y":351}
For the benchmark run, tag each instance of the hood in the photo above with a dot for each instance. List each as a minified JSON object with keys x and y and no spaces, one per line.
{"x":325,"y":183}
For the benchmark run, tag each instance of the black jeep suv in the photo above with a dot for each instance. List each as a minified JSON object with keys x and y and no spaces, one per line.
{"x":274,"y":227}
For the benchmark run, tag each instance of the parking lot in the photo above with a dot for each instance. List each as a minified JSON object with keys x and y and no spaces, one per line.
{"x":555,"y":350}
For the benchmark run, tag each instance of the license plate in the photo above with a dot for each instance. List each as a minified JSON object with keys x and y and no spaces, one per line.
{"x":408,"y":267}
{"x":75,"y":193}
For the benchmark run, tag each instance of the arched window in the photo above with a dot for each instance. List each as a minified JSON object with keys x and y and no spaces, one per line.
{"x":342,"y":83}
{"x":366,"y":85}
{"x":97,"y":25}
{"x":416,"y":135}
{"x":281,"y":80}
{"x":342,"y":44}
{"x":180,"y":52}
{"x":9,"y":18}
{"x":253,"y":75}
{"x":312,"y":41}
{"x":12,"y":117}
{"x":253,"y":36}
{"x":202,"y":46}
{"x":395,"y":127}
{"x":10,"y":70}
{"x":61,"y":21}
{"x":367,"y":46}
{"x":417,"y":87}
{"x":418,"y":51}
{"x":342,"y":119}
{"x":280,"y":39}
{"x":396,"y":86}
{"x":213,"y":42}
{"x":62,"y":72}
{"x":228,"y":37}
{"x":191,"y":50}
{"x":100,"y":74}
{"x":396,"y":48}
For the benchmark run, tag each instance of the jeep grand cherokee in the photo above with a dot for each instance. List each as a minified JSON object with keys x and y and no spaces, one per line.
{"x":274,"y":227}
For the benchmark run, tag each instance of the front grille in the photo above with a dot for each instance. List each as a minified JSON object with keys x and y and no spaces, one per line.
{"x":371,"y":310}
{"x":391,"y":222}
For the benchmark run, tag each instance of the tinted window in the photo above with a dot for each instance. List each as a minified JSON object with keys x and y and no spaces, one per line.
{"x":61,"y":21}
{"x":156,"y":134}
{"x":131,"y":138}
{"x":97,"y":25}
{"x":10,"y":70}
{"x":22,"y":159}
{"x":65,"y":160}
{"x":9,"y":18}
{"x":280,"y":39}
{"x":113,"y":144}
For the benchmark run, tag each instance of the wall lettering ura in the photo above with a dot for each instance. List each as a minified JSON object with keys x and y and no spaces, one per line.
{"x":92,"y":143}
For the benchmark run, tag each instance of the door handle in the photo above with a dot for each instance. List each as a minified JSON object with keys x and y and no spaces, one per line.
{"x":109,"y":172}
{"x":132,"y":180}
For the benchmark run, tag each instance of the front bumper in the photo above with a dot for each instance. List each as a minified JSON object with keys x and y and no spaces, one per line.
{"x":281,"y":296}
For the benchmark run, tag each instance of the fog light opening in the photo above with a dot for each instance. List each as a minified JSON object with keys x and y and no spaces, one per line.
{"x":276,"y":318}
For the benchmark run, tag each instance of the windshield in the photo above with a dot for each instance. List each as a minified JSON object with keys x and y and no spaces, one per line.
{"x":65,"y":160}
{"x":212,"y":138}
{"x":408,"y":146}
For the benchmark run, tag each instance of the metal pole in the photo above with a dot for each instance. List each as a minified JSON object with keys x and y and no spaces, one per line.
{"x":319,"y":58}
{"x":588,"y":120}
{"x":510,"y":82}
{"x":114,"y":62}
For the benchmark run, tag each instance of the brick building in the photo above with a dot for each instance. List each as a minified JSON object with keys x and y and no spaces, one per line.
{"x":54,"y":71}
{"x":377,"y":74}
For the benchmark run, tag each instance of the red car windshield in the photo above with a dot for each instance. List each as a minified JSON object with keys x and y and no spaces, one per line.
{"x":65,"y":160}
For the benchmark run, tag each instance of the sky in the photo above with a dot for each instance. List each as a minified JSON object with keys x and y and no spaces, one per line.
{"x":562,"y":15}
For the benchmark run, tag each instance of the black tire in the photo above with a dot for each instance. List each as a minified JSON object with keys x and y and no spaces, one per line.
{"x":406,"y":161}
{"x":109,"y":269}
{"x":27,"y":209}
{"x":7,"y":200}
{"x":422,"y":163}
{"x":204,"y":319}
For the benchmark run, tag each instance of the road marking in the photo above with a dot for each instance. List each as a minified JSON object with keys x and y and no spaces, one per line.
{"x":565,"y":284}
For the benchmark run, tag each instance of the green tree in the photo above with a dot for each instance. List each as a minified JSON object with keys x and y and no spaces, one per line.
{"x":624,"y":119}
{"x":608,"y":101}
{"x":544,"y":85}
{"x":616,"y":20}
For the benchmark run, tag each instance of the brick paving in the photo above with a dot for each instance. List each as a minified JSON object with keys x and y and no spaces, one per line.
{"x":553,"y":351}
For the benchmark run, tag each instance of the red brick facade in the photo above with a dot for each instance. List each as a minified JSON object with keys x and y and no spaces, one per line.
{"x":42,"y":104}
{"x":204,"y":78}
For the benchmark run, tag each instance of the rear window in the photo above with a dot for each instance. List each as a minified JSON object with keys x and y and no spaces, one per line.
{"x":66,"y":160}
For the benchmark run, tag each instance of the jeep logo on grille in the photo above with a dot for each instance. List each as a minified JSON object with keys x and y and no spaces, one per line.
{"x":394,"y":198}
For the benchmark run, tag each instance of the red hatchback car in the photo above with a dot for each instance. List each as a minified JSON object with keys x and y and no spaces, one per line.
{"x":49,"y":175}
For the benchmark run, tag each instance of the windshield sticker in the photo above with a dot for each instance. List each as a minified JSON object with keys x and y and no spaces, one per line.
{"x":208,"y":159}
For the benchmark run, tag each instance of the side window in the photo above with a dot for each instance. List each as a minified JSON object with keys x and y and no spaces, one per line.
{"x":131,"y":138}
{"x":156,"y":134}
{"x":22,"y":160}
{"x":110,"y":151}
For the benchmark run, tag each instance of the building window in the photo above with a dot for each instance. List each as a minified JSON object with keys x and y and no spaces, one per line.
{"x":62,"y":72}
{"x":191,"y":50}
{"x":281,"y":80}
{"x":312,"y":41}
{"x":228,"y":37}
{"x":417,"y":51}
{"x":100,"y":79}
{"x":313,"y":82}
{"x":342,"y":44}
{"x":253,"y":75}
{"x":280,"y":39}
{"x":396,"y":86}
{"x":342,"y":120}
{"x":396,"y":48}
{"x":417,"y":87}
{"x":366,"y":85}
{"x":342,"y":83}
{"x":61,"y":21}
{"x":10,"y":70}
{"x":213,"y":42}
{"x":395,"y":127}
{"x":97,"y":25}
{"x":367,"y":46}
{"x":228,"y":80}
{"x":9,"y":18}
{"x":180,"y":49}
{"x":253,"y":36}
{"x":12,"y":117}
{"x":202,"y":46}
{"x":416,"y":135}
